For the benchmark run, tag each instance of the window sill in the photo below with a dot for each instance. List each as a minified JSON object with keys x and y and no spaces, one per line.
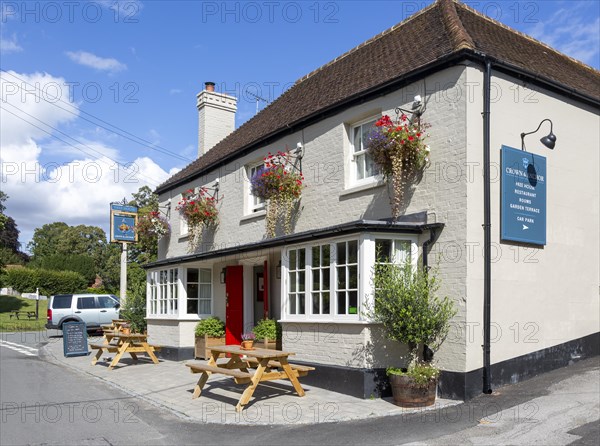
{"x":253,"y":216}
{"x":183,"y":237}
{"x":325,"y":321}
{"x":362,"y":187}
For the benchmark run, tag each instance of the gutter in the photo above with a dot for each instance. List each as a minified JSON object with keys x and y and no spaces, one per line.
{"x":337,"y":230}
{"x":432,"y":234}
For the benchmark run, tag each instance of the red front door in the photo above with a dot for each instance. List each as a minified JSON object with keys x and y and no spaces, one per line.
{"x":234,"y":311}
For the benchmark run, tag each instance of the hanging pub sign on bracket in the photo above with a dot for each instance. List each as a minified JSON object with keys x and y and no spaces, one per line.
{"x":123,"y":222}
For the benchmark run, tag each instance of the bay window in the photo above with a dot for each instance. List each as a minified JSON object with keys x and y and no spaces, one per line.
{"x":331,"y":280}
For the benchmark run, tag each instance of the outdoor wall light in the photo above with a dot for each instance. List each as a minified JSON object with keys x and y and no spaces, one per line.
{"x":223,"y":275}
{"x":278,"y":270}
{"x":548,"y":140}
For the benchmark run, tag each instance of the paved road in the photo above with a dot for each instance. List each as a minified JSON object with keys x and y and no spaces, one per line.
{"x":45,"y":403}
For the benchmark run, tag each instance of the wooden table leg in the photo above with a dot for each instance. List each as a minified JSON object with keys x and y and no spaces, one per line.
{"x":202,"y":381}
{"x":97,"y":357}
{"x":116,"y":359}
{"x":291,"y":376}
{"x":200,"y":385}
{"x":150,"y":352}
{"x":252,"y":385}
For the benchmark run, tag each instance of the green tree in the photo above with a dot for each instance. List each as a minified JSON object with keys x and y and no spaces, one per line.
{"x":9,"y":235}
{"x":3,"y":198}
{"x":45,"y":239}
{"x":145,"y":250}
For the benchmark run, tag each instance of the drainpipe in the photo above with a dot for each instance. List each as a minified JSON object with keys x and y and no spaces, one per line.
{"x":487,"y":238}
{"x":426,"y":244}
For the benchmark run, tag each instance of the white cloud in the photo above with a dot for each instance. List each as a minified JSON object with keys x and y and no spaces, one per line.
{"x":571,"y":31}
{"x":99,"y":63}
{"x":10,"y":45}
{"x":68,"y":185}
{"x":175,"y":91}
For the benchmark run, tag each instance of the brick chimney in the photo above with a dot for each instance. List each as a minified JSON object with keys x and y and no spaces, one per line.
{"x":216,"y":117}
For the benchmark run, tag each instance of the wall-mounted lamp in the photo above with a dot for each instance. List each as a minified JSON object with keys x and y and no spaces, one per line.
{"x":548,"y":140}
{"x":278,"y":270}
{"x":416,"y":111}
{"x":223,"y":275}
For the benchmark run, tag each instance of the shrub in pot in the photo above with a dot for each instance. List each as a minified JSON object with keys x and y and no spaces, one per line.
{"x":268,"y":334}
{"x":209,"y":332}
{"x":408,"y":307}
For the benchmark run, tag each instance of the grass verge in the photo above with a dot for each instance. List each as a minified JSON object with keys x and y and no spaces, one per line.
{"x":10,"y":304}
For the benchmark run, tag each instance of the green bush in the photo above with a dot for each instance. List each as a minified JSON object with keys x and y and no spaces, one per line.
{"x":26,"y":280}
{"x":267,"y":329}
{"x":213,"y":327}
{"x":79,"y":263}
{"x":407,"y":306}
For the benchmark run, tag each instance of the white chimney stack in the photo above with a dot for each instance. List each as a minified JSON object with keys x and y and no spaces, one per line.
{"x":216,"y":117}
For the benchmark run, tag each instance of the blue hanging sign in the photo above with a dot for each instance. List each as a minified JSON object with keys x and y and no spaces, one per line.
{"x":523,"y":200}
{"x":123,"y":221}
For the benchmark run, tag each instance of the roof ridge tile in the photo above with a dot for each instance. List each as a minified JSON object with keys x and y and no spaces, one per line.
{"x":460,"y":36}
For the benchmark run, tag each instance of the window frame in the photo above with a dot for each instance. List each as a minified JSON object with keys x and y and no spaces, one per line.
{"x":353,"y":155}
{"x":163,"y":295}
{"x":197,"y":298}
{"x":252,"y":207}
{"x":366,"y":258}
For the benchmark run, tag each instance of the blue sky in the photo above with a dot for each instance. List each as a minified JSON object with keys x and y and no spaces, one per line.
{"x":98,"y":98}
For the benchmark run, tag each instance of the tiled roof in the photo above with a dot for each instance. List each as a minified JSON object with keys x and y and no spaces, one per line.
{"x":441,"y":30}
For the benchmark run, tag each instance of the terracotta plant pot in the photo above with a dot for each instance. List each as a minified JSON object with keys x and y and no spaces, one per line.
{"x":407,"y":394}
{"x":247,"y":345}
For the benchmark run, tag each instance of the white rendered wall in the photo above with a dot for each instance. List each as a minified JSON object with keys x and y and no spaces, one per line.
{"x":541,"y":296}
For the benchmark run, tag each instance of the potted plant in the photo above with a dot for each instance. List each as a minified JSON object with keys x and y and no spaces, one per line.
{"x":398,"y":150}
{"x":209,"y":332}
{"x":408,"y":307}
{"x":199,"y":210}
{"x":248,"y":341}
{"x":280,"y":186}
{"x":268,"y":334}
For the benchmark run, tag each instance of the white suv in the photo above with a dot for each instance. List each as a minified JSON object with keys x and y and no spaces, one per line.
{"x":93,"y":309}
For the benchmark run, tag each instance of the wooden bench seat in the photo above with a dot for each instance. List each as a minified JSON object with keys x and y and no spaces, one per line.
{"x":276,"y":364}
{"x":238,"y":375}
{"x":112,"y":348}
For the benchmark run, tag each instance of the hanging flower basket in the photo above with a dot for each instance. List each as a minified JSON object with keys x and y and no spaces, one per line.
{"x":199,"y":210}
{"x":280,"y":186}
{"x":399,"y":151}
{"x":152,"y":226}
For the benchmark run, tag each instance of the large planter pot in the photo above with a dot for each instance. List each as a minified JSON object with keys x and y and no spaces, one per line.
{"x":407,"y":394}
{"x":203,"y":344}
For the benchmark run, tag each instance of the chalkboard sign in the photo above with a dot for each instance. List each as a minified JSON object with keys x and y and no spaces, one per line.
{"x":75,"y":339}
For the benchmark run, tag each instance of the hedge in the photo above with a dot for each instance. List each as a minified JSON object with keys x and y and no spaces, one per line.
{"x":26,"y":280}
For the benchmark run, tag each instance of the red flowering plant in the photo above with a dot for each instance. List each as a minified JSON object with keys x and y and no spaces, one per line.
{"x":280,"y":186}
{"x":199,"y":210}
{"x":399,"y":151}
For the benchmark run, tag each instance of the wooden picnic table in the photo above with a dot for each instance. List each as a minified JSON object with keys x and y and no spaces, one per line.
{"x":270,"y":365}
{"x":18,"y":314}
{"x":132,"y":343}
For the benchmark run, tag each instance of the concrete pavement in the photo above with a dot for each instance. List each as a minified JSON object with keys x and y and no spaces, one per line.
{"x":169,"y":385}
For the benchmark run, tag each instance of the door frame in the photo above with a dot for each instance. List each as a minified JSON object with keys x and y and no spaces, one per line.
{"x":248,"y":288}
